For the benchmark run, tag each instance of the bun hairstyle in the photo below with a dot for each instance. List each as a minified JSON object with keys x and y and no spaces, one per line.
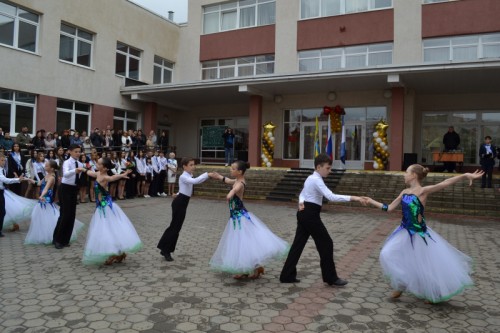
{"x":106,"y":162}
{"x":53,"y":164}
{"x":419,"y":170}
{"x":242,"y":166}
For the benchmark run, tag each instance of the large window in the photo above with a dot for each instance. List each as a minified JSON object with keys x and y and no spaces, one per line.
{"x":472,"y":126}
{"x":125,"y":120}
{"x":247,"y":66}
{"x":17,"y":109}
{"x":345,"y":57}
{"x":212,"y":143}
{"x":18,"y":27}
{"x":238,"y":14}
{"x":162,"y":70}
{"x":462,"y":48}
{"x":128,"y":61}
{"x":72,"y":115}
{"x":320,"y":8}
{"x":75,"y":45}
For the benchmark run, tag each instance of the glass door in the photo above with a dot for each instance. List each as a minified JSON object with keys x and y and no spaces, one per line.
{"x":307,"y":130}
{"x":354,"y":147}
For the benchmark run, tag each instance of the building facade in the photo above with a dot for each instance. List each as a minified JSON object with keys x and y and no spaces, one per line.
{"x":420,"y":65}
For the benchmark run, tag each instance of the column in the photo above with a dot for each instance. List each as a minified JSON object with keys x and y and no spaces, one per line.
{"x":397,"y":129}
{"x":254,"y":129}
{"x":150,"y":117}
{"x":46,"y":114}
{"x":102,"y":116}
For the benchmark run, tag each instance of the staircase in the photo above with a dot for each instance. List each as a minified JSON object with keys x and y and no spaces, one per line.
{"x":281,"y":184}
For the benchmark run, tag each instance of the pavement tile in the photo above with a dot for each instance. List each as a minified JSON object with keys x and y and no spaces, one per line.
{"x":51,"y":291}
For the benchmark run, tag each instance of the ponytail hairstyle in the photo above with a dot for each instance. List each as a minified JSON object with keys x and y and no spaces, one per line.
{"x":419,"y":170}
{"x":53,"y":164}
{"x":242,"y":166}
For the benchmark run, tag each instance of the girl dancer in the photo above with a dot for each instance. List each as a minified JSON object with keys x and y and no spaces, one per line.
{"x":247,"y":243}
{"x":415,"y":258}
{"x":45,"y":214}
{"x":111,"y":234}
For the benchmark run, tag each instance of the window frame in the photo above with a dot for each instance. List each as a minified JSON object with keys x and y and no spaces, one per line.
{"x":237,"y":63}
{"x":76,"y":40}
{"x":128,"y":56}
{"x":13,"y":110}
{"x":17,"y":19}
{"x":163,"y":67}
{"x":73,"y":113}
{"x":126,"y":119}
{"x":226,"y":8}
{"x":370,"y":7}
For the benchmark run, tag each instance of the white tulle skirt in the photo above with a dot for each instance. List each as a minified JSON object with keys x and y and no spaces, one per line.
{"x":17,"y":208}
{"x":110,"y":233}
{"x":43,"y":222}
{"x":244,"y":247}
{"x":435,"y":271}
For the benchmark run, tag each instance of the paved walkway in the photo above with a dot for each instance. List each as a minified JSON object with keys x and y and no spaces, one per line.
{"x":47,"y":290}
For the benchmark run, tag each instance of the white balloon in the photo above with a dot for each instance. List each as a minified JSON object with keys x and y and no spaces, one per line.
{"x":379,"y":140}
{"x":269,"y":134}
{"x":382,"y":144}
{"x":265,"y":159}
{"x":262,"y":156}
{"x":272,"y":139}
{"x":268,"y":164}
{"x":375,"y":165}
{"x":375,"y":134}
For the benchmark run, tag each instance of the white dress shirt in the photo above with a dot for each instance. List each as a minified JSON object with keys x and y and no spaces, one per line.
{"x":69,"y":171}
{"x":315,"y":189}
{"x":140,"y":164}
{"x":186,"y":182}
{"x":5,"y":180}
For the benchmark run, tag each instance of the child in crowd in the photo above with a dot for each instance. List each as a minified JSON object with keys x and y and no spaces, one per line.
{"x":83,"y":181}
{"x":148,"y":177}
{"x":140,"y":162}
{"x":163,"y":174}
{"x":247,"y":243}
{"x":172,"y":172}
{"x":414,"y":257}
{"x":111,"y":234}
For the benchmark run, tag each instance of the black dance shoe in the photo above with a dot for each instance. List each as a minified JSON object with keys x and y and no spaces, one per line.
{"x":167,"y":256}
{"x":339,"y":283}
{"x":290,"y":281}
{"x":58,"y":246}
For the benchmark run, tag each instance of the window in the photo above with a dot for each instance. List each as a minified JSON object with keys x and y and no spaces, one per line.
{"x":238,"y":14}
{"x":472,"y":127}
{"x":436,"y":1}
{"x":128,"y":60}
{"x":75,"y":45}
{"x":125,"y":120}
{"x":320,"y":8}
{"x":18,"y":27}
{"x":17,"y":109}
{"x":238,"y":67}
{"x":345,"y":57}
{"x":72,"y":115}
{"x":462,"y":48}
{"x":212,"y":143}
{"x":162,"y":70}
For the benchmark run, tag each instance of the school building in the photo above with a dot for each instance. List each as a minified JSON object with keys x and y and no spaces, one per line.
{"x":421,"y":65}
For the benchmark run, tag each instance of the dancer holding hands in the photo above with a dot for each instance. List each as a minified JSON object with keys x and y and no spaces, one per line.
{"x":415,"y":258}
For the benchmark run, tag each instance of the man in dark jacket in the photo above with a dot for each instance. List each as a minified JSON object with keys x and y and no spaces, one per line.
{"x":487,"y":154}
{"x":96,"y":139}
{"x":451,"y":141}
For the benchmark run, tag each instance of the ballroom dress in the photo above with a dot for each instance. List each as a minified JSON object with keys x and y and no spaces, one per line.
{"x":246,"y":243}
{"x":44,"y":220}
{"x":419,"y":261}
{"x":17,"y":208}
{"x":110,"y":232}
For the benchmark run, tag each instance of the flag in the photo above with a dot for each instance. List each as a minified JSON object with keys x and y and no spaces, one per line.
{"x":329,"y":139}
{"x":342,"y":143}
{"x":316,"y":139}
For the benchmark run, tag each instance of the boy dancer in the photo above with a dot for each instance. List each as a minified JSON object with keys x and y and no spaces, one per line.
{"x":179,"y":206}
{"x":309,"y":224}
{"x":68,"y":191}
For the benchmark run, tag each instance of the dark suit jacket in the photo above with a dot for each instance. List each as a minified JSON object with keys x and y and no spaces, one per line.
{"x":487,"y":160}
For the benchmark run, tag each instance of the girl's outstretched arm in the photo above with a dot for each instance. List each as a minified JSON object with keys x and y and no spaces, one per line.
{"x":450,"y":181}
{"x":389,"y":208}
{"x":225,"y":180}
{"x":118,"y":176}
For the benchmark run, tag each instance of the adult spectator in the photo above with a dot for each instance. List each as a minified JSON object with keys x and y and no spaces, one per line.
{"x":57,"y":138}
{"x":50,"y":141}
{"x":152,"y":134}
{"x":451,"y":141}
{"x":163,"y":141}
{"x":108,"y":140}
{"x":23,"y":138}
{"x":228,"y":137}
{"x":96,"y":139}
{"x":75,"y":139}
{"x":487,"y":154}
{"x":7,"y":142}
{"x":126,"y":141}
{"x":141,"y":139}
{"x":2,"y":134}
{"x":84,"y":136}
{"x":117,"y":140}
{"x":38,"y":141}
{"x":65,"y":139}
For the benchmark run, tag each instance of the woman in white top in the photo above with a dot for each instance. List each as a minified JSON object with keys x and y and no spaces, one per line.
{"x":126,"y":141}
{"x":140,"y":162}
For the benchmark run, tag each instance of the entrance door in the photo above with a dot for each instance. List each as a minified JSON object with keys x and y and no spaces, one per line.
{"x":354,"y":146}
{"x":307,"y":130}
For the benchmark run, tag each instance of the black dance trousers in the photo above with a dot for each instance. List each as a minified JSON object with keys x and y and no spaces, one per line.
{"x":169,"y":239}
{"x":2,"y":209}
{"x":66,"y":221}
{"x":309,"y":224}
